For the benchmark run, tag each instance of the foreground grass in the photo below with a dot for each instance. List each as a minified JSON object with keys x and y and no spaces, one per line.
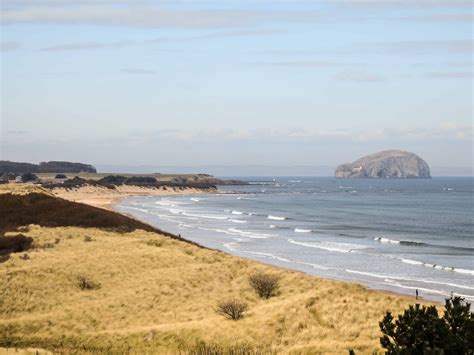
{"x":84,"y":289}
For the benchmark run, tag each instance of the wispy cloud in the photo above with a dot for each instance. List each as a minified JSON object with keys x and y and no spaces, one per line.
{"x":306,"y":63}
{"x":462,"y":17}
{"x":452,"y":75}
{"x":359,"y":76}
{"x":405,"y":3}
{"x":446,"y":131}
{"x":84,"y":45}
{"x":138,"y":71}
{"x":147,"y":16}
{"x":432,"y":46}
{"x":9,"y":46}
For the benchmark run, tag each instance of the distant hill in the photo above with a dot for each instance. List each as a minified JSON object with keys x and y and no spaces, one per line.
{"x":388,"y":164}
{"x":45,"y":167}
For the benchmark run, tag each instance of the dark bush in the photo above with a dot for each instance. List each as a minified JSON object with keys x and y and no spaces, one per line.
{"x":460,"y":321}
{"x":232,"y":309}
{"x":29,"y":177}
{"x":266,"y":285}
{"x":85,"y":283}
{"x":60,"y":176}
{"x":141,"y":180}
{"x":419,"y":330}
{"x":112,"y":180}
{"x":15,"y":244}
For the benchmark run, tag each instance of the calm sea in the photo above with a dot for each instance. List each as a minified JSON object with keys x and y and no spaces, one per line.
{"x":398,"y":235}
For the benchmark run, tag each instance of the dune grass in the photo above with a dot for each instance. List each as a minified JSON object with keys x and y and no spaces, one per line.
{"x":153,"y":294}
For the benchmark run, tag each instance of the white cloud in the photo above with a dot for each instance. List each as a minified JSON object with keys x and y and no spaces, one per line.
{"x":359,"y":76}
{"x":451,"y":75}
{"x":9,"y":46}
{"x":84,"y":45}
{"x":146,"y":16}
{"x":138,"y":71}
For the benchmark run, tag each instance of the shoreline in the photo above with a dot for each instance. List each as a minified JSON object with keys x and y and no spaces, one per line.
{"x":106,"y":199}
{"x":143,"y":286}
{"x":378,"y":290}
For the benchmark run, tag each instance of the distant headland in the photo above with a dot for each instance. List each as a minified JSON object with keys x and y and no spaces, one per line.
{"x":388,"y":164}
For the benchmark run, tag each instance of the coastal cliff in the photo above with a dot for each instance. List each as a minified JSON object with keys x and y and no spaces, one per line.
{"x":393,"y":164}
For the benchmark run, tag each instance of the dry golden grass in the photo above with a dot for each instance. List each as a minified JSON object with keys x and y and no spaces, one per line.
{"x":159,"y":295}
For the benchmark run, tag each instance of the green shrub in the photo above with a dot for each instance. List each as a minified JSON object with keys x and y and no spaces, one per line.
{"x":419,"y":330}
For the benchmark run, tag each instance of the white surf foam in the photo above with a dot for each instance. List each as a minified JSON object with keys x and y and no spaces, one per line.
{"x":298,"y":230}
{"x":386,"y":240}
{"x":438,"y":267}
{"x":238,"y":221}
{"x":237,"y":212}
{"x":392,"y":277}
{"x":276,"y":218}
{"x":331,"y":246}
{"x":249,"y":234}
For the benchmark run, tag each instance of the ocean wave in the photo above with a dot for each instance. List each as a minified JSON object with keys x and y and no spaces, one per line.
{"x":438,"y":267}
{"x":221,"y":218}
{"x":402,"y":242}
{"x":195,"y":199}
{"x":238,"y":221}
{"x":298,"y":230}
{"x":416,"y":243}
{"x":276,"y":218}
{"x":237,"y":212}
{"x":331,"y":246}
{"x":253,"y":235}
{"x":385,"y":277}
{"x":271,"y":256}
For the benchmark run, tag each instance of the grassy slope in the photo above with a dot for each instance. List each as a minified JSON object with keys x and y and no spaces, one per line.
{"x":159,"y":294}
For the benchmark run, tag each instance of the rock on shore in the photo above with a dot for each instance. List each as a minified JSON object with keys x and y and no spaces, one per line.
{"x":393,"y":164}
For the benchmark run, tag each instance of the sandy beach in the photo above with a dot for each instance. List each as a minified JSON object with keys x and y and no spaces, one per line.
{"x":105,"y":198}
{"x":153,"y":294}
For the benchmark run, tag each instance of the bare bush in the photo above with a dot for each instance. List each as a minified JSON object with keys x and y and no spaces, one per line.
{"x":266,"y":285}
{"x":88,"y":239}
{"x":85,"y":283}
{"x":232,"y":309}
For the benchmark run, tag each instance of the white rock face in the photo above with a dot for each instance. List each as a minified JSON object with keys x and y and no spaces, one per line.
{"x":393,"y":164}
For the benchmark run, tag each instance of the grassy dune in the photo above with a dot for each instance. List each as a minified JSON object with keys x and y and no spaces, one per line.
{"x":154,"y":294}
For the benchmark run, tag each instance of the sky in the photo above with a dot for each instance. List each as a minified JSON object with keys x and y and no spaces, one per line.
{"x":226,"y":85}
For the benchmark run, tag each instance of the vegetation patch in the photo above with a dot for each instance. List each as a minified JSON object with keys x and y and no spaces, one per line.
{"x":15,"y":244}
{"x":49,"y":211}
{"x":266,"y":285}
{"x":232,"y":309}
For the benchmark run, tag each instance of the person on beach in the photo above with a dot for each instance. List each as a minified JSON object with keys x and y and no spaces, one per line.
{"x":416,"y":293}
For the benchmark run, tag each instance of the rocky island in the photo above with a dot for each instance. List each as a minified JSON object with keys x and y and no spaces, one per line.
{"x":393,"y":164}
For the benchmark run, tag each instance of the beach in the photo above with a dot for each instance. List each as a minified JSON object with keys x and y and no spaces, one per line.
{"x":151,"y":293}
{"x":377,"y":233}
{"x":106,"y":198}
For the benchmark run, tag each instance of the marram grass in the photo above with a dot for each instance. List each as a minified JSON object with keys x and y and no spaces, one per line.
{"x":158,"y":295}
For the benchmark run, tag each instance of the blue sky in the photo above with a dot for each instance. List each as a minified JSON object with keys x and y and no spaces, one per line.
{"x":200,"y":83}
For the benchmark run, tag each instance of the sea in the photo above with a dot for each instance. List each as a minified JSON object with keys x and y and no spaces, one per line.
{"x":397,"y":235}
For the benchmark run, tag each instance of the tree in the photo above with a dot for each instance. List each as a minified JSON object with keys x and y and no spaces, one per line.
{"x":460,"y":321}
{"x":419,"y":330}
